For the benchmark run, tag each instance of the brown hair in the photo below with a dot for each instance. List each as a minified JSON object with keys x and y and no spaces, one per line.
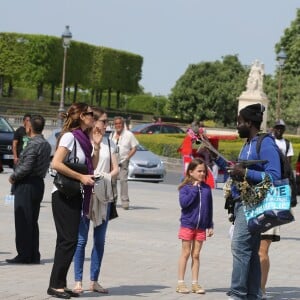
{"x":191,"y":167}
{"x":72,"y":117}
{"x":98,"y":112}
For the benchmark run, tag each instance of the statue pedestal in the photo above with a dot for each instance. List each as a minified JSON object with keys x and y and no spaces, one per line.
{"x":252,"y":97}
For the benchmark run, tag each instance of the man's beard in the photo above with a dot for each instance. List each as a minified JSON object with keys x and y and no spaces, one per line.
{"x":244,"y":132}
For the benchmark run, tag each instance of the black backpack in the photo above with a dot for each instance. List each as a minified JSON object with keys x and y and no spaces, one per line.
{"x":286,"y":169}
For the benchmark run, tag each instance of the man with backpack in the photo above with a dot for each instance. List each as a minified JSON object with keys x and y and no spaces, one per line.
{"x":246,"y":273}
{"x":273,"y":235}
{"x":284,"y":145}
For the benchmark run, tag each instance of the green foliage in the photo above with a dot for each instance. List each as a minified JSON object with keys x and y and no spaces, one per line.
{"x":36,"y":60}
{"x":209,"y":90}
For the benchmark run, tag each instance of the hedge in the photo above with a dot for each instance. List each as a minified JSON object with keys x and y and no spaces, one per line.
{"x":167,"y":145}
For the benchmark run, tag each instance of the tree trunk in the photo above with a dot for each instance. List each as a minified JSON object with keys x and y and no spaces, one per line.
{"x":52,"y":91}
{"x":100,"y":97}
{"x":118,"y":99}
{"x":1,"y":85}
{"x":109,"y":98}
{"x":40,"y":90}
{"x":75,"y":92}
{"x":10,"y":88}
{"x":92,"y":95}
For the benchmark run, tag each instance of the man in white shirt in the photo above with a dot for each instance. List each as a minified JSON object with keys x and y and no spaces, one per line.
{"x":126,"y":147}
{"x":284,"y":145}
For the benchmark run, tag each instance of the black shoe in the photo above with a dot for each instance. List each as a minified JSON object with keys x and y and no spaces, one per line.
{"x":57,"y":294}
{"x":72,"y":293}
{"x":17,"y":260}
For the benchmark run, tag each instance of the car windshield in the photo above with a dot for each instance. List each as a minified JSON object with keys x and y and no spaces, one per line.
{"x":141,"y":148}
{"x":139,"y":127}
{"x":5,"y":126}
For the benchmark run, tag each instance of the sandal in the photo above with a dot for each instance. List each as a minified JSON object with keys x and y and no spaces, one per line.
{"x":78,"y":287}
{"x":182,"y":288}
{"x":96,"y":287}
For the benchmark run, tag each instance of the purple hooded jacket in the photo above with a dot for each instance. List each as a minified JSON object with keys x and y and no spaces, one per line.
{"x":196,"y":206}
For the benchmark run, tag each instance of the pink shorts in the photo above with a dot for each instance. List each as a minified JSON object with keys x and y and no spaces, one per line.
{"x":191,"y":234}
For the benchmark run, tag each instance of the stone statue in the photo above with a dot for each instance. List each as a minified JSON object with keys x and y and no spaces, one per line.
{"x":255,"y":79}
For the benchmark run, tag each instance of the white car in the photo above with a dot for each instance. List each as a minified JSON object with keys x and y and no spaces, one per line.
{"x":144,"y":165}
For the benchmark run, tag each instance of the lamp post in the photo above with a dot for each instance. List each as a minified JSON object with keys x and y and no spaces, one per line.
{"x":66,"y":38}
{"x":281,"y":58}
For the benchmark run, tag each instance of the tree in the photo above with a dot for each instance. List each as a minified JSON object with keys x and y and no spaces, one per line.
{"x":209,"y":90}
{"x":290,"y":95}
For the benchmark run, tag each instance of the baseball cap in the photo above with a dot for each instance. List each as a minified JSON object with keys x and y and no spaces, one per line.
{"x":279,"y":123}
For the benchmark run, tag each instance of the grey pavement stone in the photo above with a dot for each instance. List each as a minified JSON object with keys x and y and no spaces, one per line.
{"x":142,"y":250}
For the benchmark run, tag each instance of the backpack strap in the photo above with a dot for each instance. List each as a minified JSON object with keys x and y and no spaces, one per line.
{"x":259,"y":141}
{"x":287,"y":146}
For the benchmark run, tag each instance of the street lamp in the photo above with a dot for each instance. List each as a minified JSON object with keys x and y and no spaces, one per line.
{"x":66,"y":37}
{"x":281,"y":58}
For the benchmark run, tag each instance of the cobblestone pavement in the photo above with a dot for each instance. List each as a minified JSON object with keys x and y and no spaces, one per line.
{"x":142,"y":251}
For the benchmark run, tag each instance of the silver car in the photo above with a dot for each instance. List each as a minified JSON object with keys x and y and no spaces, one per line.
{"x":144,"y":165}
{"x":52,"y":140}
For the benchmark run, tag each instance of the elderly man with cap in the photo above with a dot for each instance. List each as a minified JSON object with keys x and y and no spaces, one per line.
{"x":246,"y":273}
{"x":284,"y":145}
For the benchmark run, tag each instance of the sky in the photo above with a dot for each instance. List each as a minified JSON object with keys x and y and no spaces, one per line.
{"x":168,"y":34}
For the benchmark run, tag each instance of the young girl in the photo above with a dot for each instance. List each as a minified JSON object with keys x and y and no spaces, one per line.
{"x":196,"y":220}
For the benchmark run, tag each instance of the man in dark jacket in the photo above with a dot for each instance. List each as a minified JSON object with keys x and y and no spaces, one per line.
{"x":28,"y":177}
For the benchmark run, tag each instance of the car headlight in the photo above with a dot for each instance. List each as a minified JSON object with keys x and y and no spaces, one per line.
{"x":161,"y":164}
{"x":131,"y":163}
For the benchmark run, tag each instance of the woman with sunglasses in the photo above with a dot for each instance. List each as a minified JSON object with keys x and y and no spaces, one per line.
{"x":73,"y":143}
{"x":99,"y":210}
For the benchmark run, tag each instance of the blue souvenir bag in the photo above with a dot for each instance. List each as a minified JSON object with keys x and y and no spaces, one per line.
{"x":273,"y":211}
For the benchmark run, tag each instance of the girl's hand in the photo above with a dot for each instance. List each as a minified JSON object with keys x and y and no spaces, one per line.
{"x":87,"y":180}
{"x":210,"y":232}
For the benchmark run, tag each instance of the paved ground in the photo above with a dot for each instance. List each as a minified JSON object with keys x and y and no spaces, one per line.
{"x":142,"y":251}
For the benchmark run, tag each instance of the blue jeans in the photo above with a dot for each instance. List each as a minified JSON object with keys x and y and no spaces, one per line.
{"x":97,"y":251}
{"x":246,"y":274}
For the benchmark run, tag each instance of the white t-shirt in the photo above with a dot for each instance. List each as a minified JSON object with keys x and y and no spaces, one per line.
{"x":125,"y":143}
{"x":282,"y":146}
{"x":104,"y":157}
{"x":67,"y":141}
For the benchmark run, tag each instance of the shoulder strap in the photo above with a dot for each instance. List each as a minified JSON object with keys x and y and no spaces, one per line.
{"x":259,"y":141}
{"x":108,"y":141}
{"x":287,"y":146}
{"x":75,"y":160}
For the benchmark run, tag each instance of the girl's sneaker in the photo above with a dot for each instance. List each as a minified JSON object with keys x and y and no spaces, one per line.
{"x":182,"y":288}
{"x":196,"y":288}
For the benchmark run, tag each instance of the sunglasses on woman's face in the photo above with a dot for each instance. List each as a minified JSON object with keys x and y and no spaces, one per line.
{"x":105,"y":121}
{"x":88,"y":113}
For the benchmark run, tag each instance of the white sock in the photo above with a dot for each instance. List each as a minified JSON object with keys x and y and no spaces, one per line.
{"x":194,"y":282}
{"x":180,"y":281}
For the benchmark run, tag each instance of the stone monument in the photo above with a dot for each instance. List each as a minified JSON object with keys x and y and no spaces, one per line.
{"x":254,"y":91}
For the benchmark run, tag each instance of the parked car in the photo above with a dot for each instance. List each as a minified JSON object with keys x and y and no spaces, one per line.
{"x":152,"y":128}
{"x":298,"y":174}
{"x":144,"y":165}
{"x":52,"y":140}
{"x":6,"y":139}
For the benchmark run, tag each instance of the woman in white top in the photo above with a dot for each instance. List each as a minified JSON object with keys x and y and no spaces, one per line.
{"x":66,"y":211}
{"x":99,"y":211}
